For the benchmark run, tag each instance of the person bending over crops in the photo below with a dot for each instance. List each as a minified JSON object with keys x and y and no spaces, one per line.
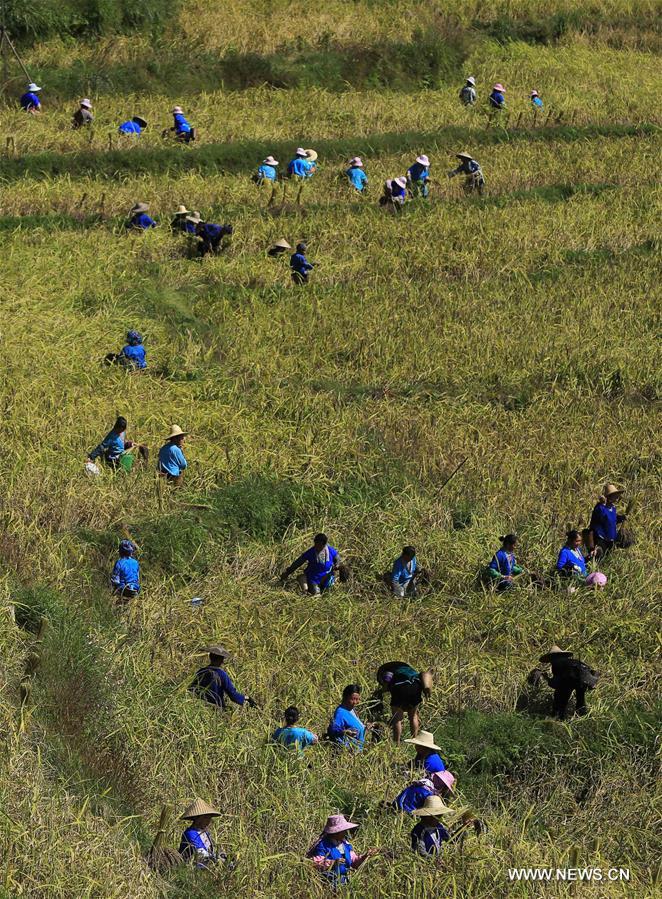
{"x":503,"y":568}
{"x":125,"y":577}
{"x":406,"y":687}
{"x":210,"y":236}
{"x":418,"y":176}
{"x":30,"y":101}
{"x":498,"y":97}
{"x":414,"y":795}
{"x":322,"y":561}
{"x":278,"y":248}
{"x":83,"y":115}
{"x":196,"y":845}
{"x":114,"y":444}
{"x":427,"y":753}
{"x":404,"y":573}
{"x":536,"y":102}
{"x":292,"y":736}
{"x":213,"y":684}
{"x":333,"y":854}
{"x":299,"y":265}
{"x":571,"y":563}
{"x":346,"y":728}
{"x":180,"y":223}
{"x":568,"y":675}
{"x":132,"y":355}
{"x":356,"y":175}
{"x":181,"y":127}
{"x":138,"y":218}
{"x":395,"y":193}
{"x":429,"y":835}
{"x":474,"y":180}
{"x":604,"y":533}
{"x":468,"y":92}
{"x":172,"y":462}
{"x":303,"y":165}
{"x":135,"y":125}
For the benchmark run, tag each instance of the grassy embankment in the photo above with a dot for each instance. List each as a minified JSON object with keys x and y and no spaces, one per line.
{"x":518,"y":331}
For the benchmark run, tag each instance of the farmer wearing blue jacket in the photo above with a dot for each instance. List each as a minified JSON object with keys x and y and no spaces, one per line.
{"x":403,"y":574}
{"x":473,"y":174}
{"x":418,"y":176}
{"x":321,"y":561}
{"x":139,"y":219}
{"x":210,"y":236}
{"x":503,"y":567}
{"x":135,"y":125}
{"x":196,"y":845}
{"x":125,"y":578}
{"x":303,"y":165}
{"x":113,"y":444}
{"x":536,"y":102}
{"x":172,"y":462}
{"x":605,"y":519}
{"x":30,"y":102}
{"x":357,"y":177}
{"x":182,"y":128}
{"x":134,"y":351}
{"x":498,"y":97}
{"x":299,"y":265}
{"x":213,"y":684}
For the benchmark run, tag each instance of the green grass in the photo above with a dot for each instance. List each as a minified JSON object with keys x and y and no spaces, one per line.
{"x":518,"y":331}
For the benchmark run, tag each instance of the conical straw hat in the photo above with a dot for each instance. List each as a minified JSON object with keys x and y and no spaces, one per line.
{"x":199,"y":808}
{"x":281,"y":242}
{"x":554,"y":651}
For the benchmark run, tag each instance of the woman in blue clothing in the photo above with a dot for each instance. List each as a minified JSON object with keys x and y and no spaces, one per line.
{"x":139,"y":220}
{"x":429,"y":835}
{"x":604,"y":533}
{"x":292,"y":736}
{"x":418,"y":176}
{"x":125,"y":577}
{"x":357,"y":177}
{"x":266,"y":177}
{"x":196,"y":845}
{"x":346,"y":728}
{"x":403,"y":573}
{"x":135,"y":125}
{"x":30,"y":102}
{"x":474,"y":179}
{"x":182,"y":128}
{"x":427,"y":753}
{"x":132,"y":356}
{"x":332,"y":853}
{"x":498,"y":97}
{"x":504,"y":568}
{"x":113,"y":444}
{"x":536,"y":102}
{"x":571,"y":563}
{"x":172,"y":462}
{"x":322,"y":561}
{"x":213,"y":684}
{"x":395,"y":193}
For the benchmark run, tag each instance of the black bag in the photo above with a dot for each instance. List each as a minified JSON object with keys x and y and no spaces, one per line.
{"x":584,"y":676}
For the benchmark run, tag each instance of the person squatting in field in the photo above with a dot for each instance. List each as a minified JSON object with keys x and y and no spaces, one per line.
{"x":182,"y":129}
{"x":172,"y":461}
{"x":504,"y":568}
{"x":30,"y":101}
{"x":394,"y":195}
{"x":209,"y":235}
{"x":568,"y":675}
{"x":346,"y":728}
{"x":299,"y":265}
{"x":427,"y":753}
{"x":132,"y":356}
{"x":213,"y":684}
{"x":292,"y":736}
{"x":138,"y":218}
{"x":414,"y":794}
{"x":356,"y":175}
{"x":135,"y":125}
{"x":196,"y":845}
{"x":322,"y":562}
{"x":114,"y":444}
{"x":125,"y":576}
{"x":83,"y":115}
{"x":333,"y":855}
{"x":404,"y":573}
{"x":418,"y":177}
{"x":571,"y":563}
{"x":406,"y":689}
{"x":474,"y":180}
{"x":181,"y":223}
{"x":429,"y":835}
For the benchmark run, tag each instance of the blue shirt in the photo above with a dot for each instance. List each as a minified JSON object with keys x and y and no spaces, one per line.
{"x":136,"y":354}
{"x":433,"y":763}
{"x":413,"y":797}
{"x":141,"y":221}
{"x":268,"y":172}
{"x":427,"y":839}
{"x":130,"y":127}
{"x":294,"y":736}
{"x":339,"y":873}
{"x":357,"y":177}
{"x":214,"y":684}
{"x":302,"y":168}
{"x":299,"y":263}
{"x":571,"y":560}
{"x":316,"y":571}
{"x":342,"y":719}
{"x":397,"y":191}
{"x":126,"y":573}
{"x":181,"y":125}
{"x":497,"y":99}
{"x":537,"y":102}
{"x":111,"y":447}
{"x":418,"y":172}
{"x":197,"y":845}
{"x":171,"y":459}
{"x":213,"y":232}
{"x":30,"y":100}
{"x":604,"y":521}
{"x":402,"y":573}
{"x":504,"y":563}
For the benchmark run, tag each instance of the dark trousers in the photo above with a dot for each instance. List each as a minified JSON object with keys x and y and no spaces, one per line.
{"x":562,"y":698}
{"x":209,"y":246}
{"x":300,"y":277}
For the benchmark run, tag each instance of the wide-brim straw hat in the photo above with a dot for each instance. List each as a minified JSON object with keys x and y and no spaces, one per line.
{"x":182,"y":210}
{"x":464,"y":155}
{"x":199,"y":808}
{"x":422,"y":159}
{"x":498,"y":87}
{"x":139,"y":120}
{"x":435,"y":807}
{"x":140,"y":207}
{"x":555,"y":651}
{"x":177,"y":110}
{"x":356,"y":161}
{"x":425,"y":739}
{"x":471,"y":80}
{"x":33,"y":87}
{"x":338,"y":824}
{"x":176,"y":431}
{"x":611,"y":490}
{"x":283,"y":244}
{"x":194,"y":217}
{"x":270,"y":161}
{"x":401,"y":182}
{"x":311,"y":154}
{"x":217,"y":649}
{"x":86,"y":103}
